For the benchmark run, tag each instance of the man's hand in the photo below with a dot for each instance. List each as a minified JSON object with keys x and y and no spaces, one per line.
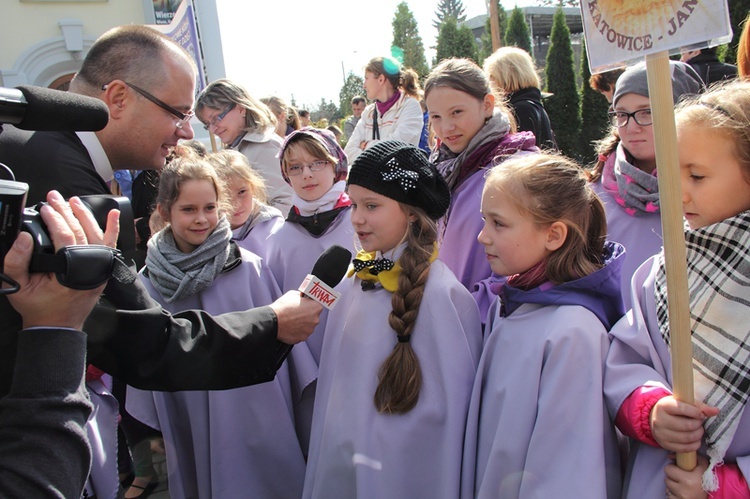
{"x":297,"y":317}
{"x":41,"y":300}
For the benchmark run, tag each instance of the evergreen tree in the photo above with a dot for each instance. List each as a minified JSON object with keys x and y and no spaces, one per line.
{"x":406,"y":37}
{"x":326,"y":110}
{"x":455,"y":42}
{"x":354,"y":86}
{"x":560,"y":3}
{"x":502,"y":17}
{"x":738,"y":11}
{"x":594,"y":107}
{"x":517,"y":34}
{"x":449,"y":9}
{"x":563,"y":106}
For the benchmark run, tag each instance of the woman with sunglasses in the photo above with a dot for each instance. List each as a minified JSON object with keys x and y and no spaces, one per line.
{"x":244,"y":123}
{"x":624,"y":176}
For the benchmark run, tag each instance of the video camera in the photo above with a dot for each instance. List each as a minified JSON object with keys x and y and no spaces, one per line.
{"x":77,"y":267}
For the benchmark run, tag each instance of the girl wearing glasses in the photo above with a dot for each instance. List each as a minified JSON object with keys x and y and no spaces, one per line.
{"x":625,"y":175}
{"x":244,"y":123}
{"x":316,"y":167}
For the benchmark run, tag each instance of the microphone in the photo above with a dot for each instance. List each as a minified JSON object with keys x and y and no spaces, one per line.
{"x":327,"y":273}
{"x":38,"y":108}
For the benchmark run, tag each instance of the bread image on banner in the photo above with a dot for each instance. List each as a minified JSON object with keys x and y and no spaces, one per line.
{"x":636,"y":17}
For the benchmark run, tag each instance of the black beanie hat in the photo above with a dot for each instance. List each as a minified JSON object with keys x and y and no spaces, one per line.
{"x":401,"y":172}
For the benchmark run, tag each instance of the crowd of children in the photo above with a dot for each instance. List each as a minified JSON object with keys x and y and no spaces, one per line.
{"x":482,"y":345}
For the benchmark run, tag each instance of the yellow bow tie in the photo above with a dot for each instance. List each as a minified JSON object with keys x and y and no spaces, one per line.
{"x":387,"y":278}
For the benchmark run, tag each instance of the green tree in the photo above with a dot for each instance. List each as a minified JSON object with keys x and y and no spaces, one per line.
{"x":502,"y":17}
{"x":560,"y":3}
{"x":449,"y":9}
{"x":326,"y":110}
{"x":352,"y":87}
{"x":563,"y":106}
{"x":517,"y":34}
{"x":406,"y":37}
{"x":455,"y":42}
{"x":594,"y":107}
{"x":738,"y":11}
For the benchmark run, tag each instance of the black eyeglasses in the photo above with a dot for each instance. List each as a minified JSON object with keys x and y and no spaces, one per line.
{"x":182,"y":117}
{"x":620,"y":119}
{"x":218,"y":117}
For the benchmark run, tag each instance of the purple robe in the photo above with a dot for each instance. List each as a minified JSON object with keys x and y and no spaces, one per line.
{"x":231,"y":443}
{"x":291,"y":254}
{"x":101,"y":430}
{"x":356,"y":451}
{"x":256,"y":241}
{"x":538,"y":425}
{"x":639,"y":356}
{"x":640,"y":235}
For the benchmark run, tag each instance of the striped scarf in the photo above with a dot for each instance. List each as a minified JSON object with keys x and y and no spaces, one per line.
{"x":718,"y":265}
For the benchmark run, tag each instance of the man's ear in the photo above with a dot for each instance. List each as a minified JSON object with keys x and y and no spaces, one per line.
{"x":556,"y":235}
{"x":117,"y":96}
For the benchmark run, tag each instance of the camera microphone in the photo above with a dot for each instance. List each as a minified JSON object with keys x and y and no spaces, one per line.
{"x":43,"y":109}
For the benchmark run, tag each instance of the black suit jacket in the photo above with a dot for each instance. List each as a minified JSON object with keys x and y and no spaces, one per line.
{"x":50,"y":160}
{"x":130,"y":336}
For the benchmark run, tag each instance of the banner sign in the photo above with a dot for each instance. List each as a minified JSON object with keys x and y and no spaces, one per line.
{"x":620,"y":32}
{"x":182,"y":29}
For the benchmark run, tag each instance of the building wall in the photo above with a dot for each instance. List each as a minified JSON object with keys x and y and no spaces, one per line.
{"x":44,"y":41}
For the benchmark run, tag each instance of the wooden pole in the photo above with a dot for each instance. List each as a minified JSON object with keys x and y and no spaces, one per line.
{"x":213,"y":141}
{"x":675,"y":254}
{"x":494,"y":25}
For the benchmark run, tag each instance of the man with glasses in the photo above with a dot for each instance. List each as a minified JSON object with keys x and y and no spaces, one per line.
{"x":148,"y":84}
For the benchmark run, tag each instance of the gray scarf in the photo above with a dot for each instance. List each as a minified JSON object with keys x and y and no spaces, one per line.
{"x":450,"y":166}
{"x":177,"y":275}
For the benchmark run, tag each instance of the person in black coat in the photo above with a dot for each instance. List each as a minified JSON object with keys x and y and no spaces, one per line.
{"x":708,"y":66}
{"x":513,"y":76}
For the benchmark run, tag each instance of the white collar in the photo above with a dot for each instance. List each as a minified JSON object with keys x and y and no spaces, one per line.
{"x":98,"y":155}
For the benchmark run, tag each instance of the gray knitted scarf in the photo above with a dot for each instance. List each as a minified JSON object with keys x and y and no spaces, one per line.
{"x":177,"y":275}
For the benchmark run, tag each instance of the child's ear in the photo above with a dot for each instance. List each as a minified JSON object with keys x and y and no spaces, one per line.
{"x":556,"y":235}
{"x":488,"y":105}
{"x":163,"y":213}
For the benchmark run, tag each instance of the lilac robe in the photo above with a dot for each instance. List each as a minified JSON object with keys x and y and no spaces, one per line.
{"x":538,"y":425}
{"x":639,"y":356}
{"x":640,"y":235}
{"x":256,"y":241}
{"x":231,"y":443}
{"x":101,"y":430}
{"x":291,"y":253}
{"x":356,"y":451}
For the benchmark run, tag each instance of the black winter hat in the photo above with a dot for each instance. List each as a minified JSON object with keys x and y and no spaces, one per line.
{"x":402,"y":172}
